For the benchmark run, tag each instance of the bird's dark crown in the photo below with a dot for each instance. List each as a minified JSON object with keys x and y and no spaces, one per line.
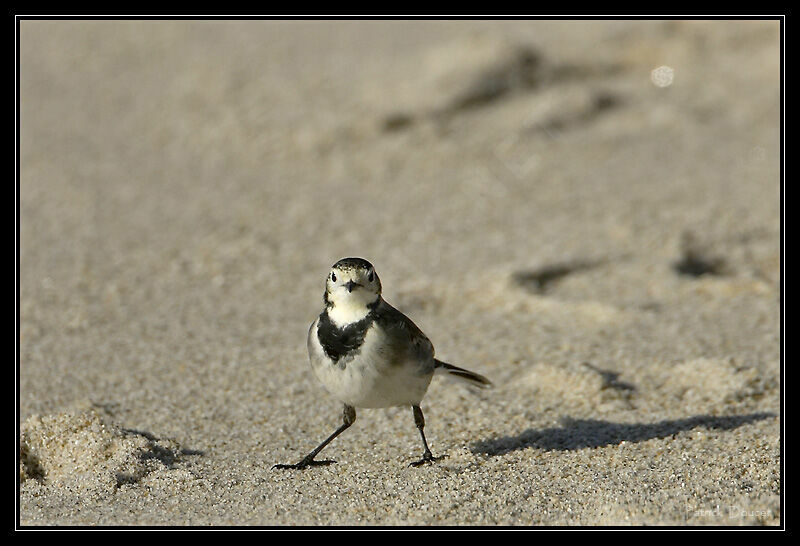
{"x":352,"y":263}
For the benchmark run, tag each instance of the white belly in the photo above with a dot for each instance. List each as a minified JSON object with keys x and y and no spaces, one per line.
{"x":369,"y":382}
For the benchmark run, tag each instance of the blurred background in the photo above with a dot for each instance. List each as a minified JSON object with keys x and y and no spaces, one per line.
{"x":536,"y":195}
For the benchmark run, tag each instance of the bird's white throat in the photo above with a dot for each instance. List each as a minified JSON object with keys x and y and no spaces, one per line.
{"x":349,"y":309}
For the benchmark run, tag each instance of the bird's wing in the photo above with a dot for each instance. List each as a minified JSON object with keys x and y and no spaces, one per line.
{"x":407,"y":341}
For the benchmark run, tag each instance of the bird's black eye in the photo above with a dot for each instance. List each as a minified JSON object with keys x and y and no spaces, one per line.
{"x":371,"y":276}
{"x":333,"y":276}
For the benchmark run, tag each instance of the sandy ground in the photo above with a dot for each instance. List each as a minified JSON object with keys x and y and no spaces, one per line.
{"x":601,"y":240}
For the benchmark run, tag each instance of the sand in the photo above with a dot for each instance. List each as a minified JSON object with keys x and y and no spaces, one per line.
{"x":588,"y":213}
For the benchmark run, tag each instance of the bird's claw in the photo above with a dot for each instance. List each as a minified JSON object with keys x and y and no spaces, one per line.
{"x":427,"y":458}
{"x":304,"y":464}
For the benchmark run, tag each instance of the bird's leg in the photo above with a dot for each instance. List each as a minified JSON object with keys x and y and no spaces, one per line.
{"x":427,"y":456}
{"x":348,"y":418}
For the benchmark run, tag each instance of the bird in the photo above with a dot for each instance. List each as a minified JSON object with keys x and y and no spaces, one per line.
{"x":367,"y":354}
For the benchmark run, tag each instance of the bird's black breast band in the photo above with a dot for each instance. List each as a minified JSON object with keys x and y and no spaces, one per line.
{"x":339,"y":342}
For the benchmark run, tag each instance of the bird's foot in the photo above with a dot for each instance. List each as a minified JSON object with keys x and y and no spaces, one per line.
{"x":427,"y":458}
{"x":306,"y":462}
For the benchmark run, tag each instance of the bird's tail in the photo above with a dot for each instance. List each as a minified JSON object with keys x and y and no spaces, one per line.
{"x":467,"y":376}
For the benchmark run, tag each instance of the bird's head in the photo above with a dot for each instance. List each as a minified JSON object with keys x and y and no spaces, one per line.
{"x":352,"y":286}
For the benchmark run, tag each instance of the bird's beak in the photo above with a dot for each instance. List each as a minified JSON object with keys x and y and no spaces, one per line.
{"x":350,"y":285}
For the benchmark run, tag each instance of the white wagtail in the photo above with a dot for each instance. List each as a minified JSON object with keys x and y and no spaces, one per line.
{"x":370,"y":355}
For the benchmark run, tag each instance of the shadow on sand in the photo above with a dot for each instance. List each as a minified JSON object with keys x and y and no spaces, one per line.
{"x":576,"y":434}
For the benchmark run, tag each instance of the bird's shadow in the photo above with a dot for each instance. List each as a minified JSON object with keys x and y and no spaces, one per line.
{"x":574,"y":434}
